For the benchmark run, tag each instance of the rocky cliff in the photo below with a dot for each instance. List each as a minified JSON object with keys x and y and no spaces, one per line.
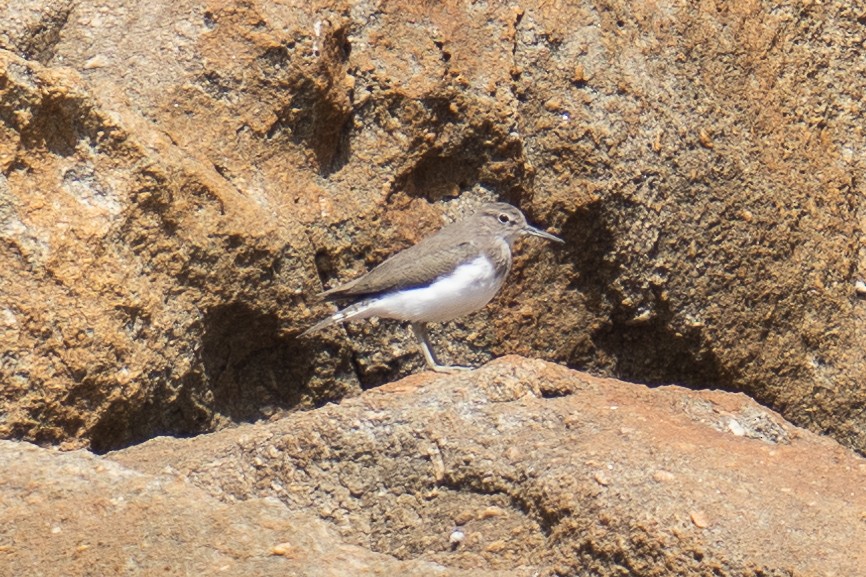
{"x":178,"y":181}
{"x":520,"y":468}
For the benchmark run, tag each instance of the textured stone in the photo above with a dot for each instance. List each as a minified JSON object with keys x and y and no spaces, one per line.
{"x":547,"y":471}
{"x":136,"y":279}
{"x":178,"y":180}
{"x":74,"y":514}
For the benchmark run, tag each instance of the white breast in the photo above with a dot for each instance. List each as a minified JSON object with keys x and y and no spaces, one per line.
{"x":467,"y":289}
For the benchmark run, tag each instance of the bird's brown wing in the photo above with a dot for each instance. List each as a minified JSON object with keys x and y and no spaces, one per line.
{"x":417,"y":265}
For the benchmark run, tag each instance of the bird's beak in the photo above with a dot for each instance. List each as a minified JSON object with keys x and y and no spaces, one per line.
{"x":538,"y":232}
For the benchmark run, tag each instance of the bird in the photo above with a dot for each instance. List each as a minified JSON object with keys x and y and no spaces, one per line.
{"x":451,"y":273}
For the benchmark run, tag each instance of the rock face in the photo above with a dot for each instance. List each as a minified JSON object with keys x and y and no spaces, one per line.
{"x":75,"y":514}
{"x":178,"y":180}
{"x":542,"y":470}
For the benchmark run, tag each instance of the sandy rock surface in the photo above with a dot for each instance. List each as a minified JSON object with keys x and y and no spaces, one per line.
{"x":548,"y":471}
{"x":74,"y":514}
{"x":520,"y":468}
{"x":179,"y":179}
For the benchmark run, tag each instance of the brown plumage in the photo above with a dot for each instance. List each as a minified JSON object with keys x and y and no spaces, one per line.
{"x":452,"y":272}
{"x":420,"y":264}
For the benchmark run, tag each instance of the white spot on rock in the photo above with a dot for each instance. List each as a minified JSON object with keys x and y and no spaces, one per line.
{"x":736,"y":428}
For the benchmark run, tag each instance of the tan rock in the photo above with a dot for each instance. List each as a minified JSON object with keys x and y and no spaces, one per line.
{"x":777,"y":499}
{"x":75,"y":514}
{"x":168,"y":215}
{"x":134,"y":278}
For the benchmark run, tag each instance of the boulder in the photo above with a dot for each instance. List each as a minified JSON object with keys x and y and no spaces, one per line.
{"x":75,"y":514}
{"x":533,"y":469}
{"x":179,"y":179}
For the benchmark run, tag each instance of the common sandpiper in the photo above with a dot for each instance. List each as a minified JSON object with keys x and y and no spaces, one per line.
{"x":453,"y":272}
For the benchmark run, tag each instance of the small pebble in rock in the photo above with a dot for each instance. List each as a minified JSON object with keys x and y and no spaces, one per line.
{"x":736,"y":428}
{"x":456,"y":538}
{"x":699,"y":518}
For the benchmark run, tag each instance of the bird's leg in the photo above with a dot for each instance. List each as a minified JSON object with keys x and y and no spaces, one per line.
{"x":420,"y":331}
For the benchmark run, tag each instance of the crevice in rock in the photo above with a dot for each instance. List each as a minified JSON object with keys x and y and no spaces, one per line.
{"x":40,"y":38}
{"x":312,"y":119}
{"x":393,"y":370}
{"x":325,"y":268}
{"x":436,"y":177}
{"x":250,"y":366}
{"x":654,"y":353}
{"x":639,"y":343}
{"x":53,"y":118}
{"x":342,"y":147}
{"x":554,"y":393}
{"x":444,"y":54}
{"x":317,"y":114}
{"x":482,"y":158}
{"x":247,"y":369}
{"x":175,"y":409}
{"x":57,"y":123}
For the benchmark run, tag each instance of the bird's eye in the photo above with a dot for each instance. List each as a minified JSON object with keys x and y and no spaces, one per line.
{"x":503,"y":218}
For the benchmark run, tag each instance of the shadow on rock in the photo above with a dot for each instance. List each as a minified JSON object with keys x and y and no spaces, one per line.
{"x":641,"y":341}
{"x":247,"y":369}
{"x":251,"y":367}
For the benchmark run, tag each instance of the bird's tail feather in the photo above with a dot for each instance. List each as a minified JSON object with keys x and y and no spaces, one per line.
{"x":340,"y":316}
